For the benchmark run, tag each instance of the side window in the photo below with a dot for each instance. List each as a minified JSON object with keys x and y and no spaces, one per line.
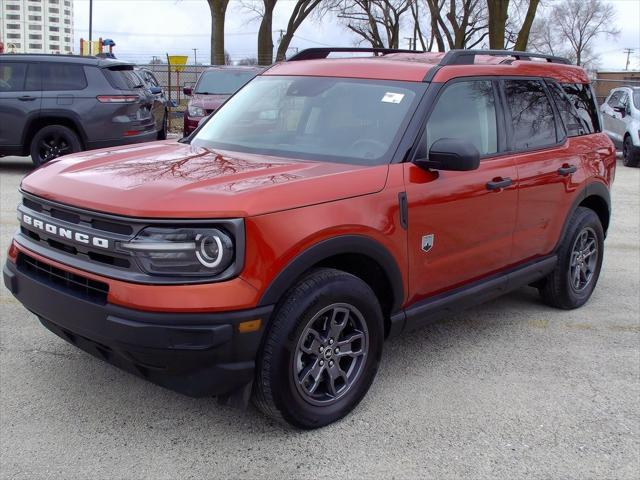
{"x":63,"y":76}
{"x":33,"y":81}
{"x":531,"y":114}
{"x":152,"y":79}
{"x":613,"y":99}
{"x":574,"y":124}
{"x":465,"y":110}
{"x":584,"y":101}
{"x":12,"y":75}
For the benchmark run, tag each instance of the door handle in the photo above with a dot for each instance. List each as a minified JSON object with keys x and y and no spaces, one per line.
{"x":26,"y":98}
{"x":566,"y":169}
{"x":499,"y":183}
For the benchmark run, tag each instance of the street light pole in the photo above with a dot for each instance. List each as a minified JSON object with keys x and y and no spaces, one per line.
{"x":195,"y":56}
{"x":90,"y":26}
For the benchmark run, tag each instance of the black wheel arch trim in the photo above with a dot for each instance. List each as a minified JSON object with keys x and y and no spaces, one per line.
{"x":593,"y":189}
{"x":323,"y":250}
{"x":43,"y":115}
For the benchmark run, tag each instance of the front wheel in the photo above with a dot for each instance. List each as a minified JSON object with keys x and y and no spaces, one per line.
{"x":321,"y":350}
{"x":580,"y":256}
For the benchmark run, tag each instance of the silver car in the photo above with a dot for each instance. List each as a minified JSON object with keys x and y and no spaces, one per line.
{"x":621,"y":119}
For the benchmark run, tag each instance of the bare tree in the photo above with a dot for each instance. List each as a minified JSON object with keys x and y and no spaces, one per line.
{"x":506,"y":26}
{"x":218,"y":12}
{"x":248,"y":61}
{"x":581,"y":21}
{"x":301,"y":11}
{"x":375,"y":21}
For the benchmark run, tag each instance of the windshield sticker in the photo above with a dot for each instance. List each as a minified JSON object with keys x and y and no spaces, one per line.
{"x":391,"y":97}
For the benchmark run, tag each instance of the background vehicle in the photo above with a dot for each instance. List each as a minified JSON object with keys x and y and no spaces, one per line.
{"x":157,"y":100}
{"x":53,"y":105}
{"x":214,"y":86}
{"x":621,"y":121}
{"x":328,"y":205}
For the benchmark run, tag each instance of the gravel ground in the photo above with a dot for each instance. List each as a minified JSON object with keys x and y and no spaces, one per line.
{"x":511,"y":389}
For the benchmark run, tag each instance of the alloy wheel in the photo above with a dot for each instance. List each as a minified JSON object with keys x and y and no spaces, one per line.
{"x":53,"y":146}
{"x":330,"y":354}
{"x":584,"y":259}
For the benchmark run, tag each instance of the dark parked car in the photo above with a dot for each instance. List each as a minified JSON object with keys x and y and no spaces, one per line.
{"x":52,"y":105}
{"x":214,"y":87}
{"x":158,"y":101}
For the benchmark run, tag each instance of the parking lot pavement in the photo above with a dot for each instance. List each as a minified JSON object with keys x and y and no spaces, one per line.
{"x":511,"y":389}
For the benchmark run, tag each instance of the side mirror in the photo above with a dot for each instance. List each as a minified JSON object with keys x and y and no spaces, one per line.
{"x":451,"y":154}
{"x":155,"y":90}
{"x":621,"y":110}
{"x":188,"y":91}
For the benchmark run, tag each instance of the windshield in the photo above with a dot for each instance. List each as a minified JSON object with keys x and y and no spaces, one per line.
{"x":315,"y":118}
{"x":636,"y":99}
{"x":223,"y":82}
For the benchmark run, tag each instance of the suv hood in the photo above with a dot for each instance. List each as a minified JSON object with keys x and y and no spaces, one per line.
{"x":208,"y":102}
{"x":174,"y":180}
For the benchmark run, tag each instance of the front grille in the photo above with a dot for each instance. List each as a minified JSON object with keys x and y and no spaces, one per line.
{"x":113,"y":230}
{"x":76,"y":285}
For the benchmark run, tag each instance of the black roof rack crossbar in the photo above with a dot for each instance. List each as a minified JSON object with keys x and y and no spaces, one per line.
{"x":467,"y":57}
{"x":319,"y":53}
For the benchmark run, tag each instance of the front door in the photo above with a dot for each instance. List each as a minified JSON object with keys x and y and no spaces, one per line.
{"x":460,"y":224}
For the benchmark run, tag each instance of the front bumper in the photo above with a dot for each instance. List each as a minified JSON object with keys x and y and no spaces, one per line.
{"x":197,"y":354}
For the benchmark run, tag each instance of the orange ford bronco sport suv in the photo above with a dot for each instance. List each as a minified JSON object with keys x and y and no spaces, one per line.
{"x":329,"y":204}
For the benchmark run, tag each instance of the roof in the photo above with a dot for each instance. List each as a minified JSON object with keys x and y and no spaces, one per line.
{"x":433,"y":66}
{"x":77,"y":59}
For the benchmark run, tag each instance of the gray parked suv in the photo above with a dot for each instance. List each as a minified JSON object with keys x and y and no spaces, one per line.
{"x":52,"y":105}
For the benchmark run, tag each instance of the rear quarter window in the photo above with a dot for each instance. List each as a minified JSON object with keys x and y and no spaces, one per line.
{"x":574,"y":124}
{"x":584,"y":101}
{"x":122,"y":77}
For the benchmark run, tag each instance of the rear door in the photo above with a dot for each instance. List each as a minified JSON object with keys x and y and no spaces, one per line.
{"x":460,"y":224}
{"x":20,"y":100}
{"x":547,"y":164}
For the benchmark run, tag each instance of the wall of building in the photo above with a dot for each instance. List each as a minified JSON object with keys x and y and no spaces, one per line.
{"x":606,"y":80}
{"x":37,"y":26}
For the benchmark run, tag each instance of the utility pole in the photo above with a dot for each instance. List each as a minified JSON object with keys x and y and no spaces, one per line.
{"x":195,"y":56}
{"x":628,"y":51}
{"x":90,"y":26}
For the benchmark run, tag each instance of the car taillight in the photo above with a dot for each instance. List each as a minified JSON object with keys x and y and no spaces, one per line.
{"x":117,"y":98}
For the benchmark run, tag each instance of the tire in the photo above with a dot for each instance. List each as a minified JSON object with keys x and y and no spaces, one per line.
{"x":53,"y":141}
{"x":629,"y":157}
{"x":162,"y":133}
{"x":569,"y":286}
{"x":278,"y":391}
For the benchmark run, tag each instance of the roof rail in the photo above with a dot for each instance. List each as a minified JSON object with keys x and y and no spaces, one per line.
{"x":467,"y":57}
{"x":319,"y":53}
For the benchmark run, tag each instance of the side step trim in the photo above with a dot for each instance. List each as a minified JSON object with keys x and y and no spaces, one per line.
{"x":448,"y":303}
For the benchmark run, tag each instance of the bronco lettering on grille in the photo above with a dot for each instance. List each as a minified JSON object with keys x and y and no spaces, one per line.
{"x":66,"y":233}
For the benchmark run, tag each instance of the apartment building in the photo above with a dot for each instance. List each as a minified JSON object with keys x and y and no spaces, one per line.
{"x":37,"y":26}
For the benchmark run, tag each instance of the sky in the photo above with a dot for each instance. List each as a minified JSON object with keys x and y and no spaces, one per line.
{"x":146,"y":28}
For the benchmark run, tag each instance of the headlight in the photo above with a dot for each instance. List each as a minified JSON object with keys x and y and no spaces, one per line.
{"x":182,"y":251}
{"x":195,"y":111}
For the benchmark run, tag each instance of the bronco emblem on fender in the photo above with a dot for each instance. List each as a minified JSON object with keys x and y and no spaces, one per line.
{"x":427,"y":242}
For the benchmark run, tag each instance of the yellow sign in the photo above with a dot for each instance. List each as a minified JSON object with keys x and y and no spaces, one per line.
{"x":86,"y":47}
{"x":178,"y":62}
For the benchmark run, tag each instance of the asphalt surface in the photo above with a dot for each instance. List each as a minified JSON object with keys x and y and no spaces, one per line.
{"x":512,"y":389}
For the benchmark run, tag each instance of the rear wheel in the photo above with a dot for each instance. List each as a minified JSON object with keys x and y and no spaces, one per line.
{"x":580,"y":256}
{"x":53,"y":141}
{"x":321,"y":351}
{"x":629,"y":157}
